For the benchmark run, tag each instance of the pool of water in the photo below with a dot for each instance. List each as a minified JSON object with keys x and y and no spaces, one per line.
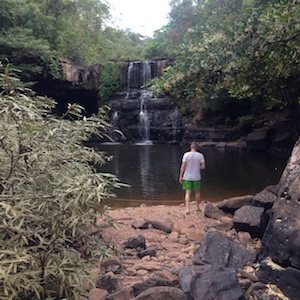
{"x":152,"y":172}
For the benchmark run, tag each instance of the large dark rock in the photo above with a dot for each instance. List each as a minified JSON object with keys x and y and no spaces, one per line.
{"x":259,"y":140}
{"x":251,"y":219}
{"x":287,"y":279}
{"x":140,"y":287}
{"x":232,"y":204}
{"x":217,"y":249}
{"x":266,"y":197}
{"x":162,"y":293}
{"x":161,"y":119}
{"x":280,"y":250}
{"x":211,"y":211}
{"x":136,"y":242}
{"x":281,"y":240}
{"x":210,"y":282}
{"x":162,"y":224}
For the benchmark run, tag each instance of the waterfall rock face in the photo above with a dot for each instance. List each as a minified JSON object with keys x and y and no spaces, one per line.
{"x":139,"y":73}
{"x":140,"y":116}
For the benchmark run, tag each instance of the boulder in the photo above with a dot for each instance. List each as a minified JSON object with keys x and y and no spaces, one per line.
{"x":125,"y":293}
{"x":140,"y":287}
{"x":283,"y":140}
{"x":287,"y":279}
{"x":98,"y":294}
{"x":251,"y":219}
{"x":266,"y":197}
{"x":162,"y":224}
{"x":136,"y":242}
{"x":281,"y":240}
{"x":258,"y":140}
{"x":151,"y":251}
{"x":210,"y":282}
{"x":140,"y":224}
{"x":245,"y":237}
{"x":279,"y":254}
{"x":213,"y":212}
{"x":232,"y":204}
{"x":217,"y":249}
{"x":162,"y":293}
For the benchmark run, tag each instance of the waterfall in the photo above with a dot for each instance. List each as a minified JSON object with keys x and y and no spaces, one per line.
{"x":129,"y":75}
{"x":140,"y":116}
{"x":115,"y":120}
{"x":139,"y":73}
{"x":144,"y":124}
{"x":175,"y":121}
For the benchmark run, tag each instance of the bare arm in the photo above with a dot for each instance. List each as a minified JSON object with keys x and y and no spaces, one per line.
{"x":182,"y":168}
{"x":202,"y":166}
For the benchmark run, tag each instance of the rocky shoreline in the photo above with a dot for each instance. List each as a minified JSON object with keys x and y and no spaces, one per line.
{"x":241,"y":248}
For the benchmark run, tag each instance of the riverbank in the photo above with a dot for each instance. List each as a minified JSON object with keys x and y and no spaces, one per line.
{"x":150,"y":244}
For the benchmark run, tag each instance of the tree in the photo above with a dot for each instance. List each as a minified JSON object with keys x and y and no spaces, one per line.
{"x":49,"y":195}
{"x":249,"y":49}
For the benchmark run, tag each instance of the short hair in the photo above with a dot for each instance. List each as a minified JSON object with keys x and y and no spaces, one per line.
{"x":194,"y":145}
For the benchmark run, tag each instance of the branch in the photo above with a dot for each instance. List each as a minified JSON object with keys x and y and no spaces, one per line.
{"x":284,"y":41}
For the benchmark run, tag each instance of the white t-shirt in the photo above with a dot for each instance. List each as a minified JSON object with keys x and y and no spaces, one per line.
{"x":192,"y":168}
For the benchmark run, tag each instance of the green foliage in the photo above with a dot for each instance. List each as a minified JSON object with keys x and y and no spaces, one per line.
{"x":248,"y":48}
{"x":37,"y":33}
{"x":246,"y":122}
{"x":49,"y":194}
{"x":113,"y":79}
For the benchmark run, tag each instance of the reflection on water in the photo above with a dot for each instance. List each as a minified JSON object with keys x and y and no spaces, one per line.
{"x":153,"y":170}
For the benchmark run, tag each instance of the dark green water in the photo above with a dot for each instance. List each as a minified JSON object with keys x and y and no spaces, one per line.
{"x":152,"y":172}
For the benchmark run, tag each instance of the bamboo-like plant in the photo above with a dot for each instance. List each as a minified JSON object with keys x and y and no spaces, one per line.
{"x":49,"y":193}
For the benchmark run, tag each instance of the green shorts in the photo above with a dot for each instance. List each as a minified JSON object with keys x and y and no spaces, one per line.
{"x":191,"y":185}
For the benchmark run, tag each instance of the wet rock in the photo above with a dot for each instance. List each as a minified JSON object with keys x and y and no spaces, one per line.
{"x":232,"y":204}
{"x":162,"y":293}
{"x":217,"y":249}
{"x":136,"y":242}
{"x":251,"y":219}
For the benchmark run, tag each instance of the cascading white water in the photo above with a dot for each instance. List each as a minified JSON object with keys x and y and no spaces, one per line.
{"x":115,"y":120}
{"x":146,"y":72}
{"x":144,"y":124}
{"x":129,"y":75}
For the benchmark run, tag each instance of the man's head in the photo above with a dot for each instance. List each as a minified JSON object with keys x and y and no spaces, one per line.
{"x":194,"y":146}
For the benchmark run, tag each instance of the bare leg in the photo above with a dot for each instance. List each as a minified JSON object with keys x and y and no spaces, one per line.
{"x":198,"y":199}
{"x":187,"y":200}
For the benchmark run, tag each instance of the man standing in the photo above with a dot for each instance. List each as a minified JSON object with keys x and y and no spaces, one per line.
{"x":190,"y":175}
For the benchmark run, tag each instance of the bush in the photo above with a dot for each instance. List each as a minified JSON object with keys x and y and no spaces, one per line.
{"x":50,"y":191}
{"x":245,"y":122}
{"x":113,"y":79}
